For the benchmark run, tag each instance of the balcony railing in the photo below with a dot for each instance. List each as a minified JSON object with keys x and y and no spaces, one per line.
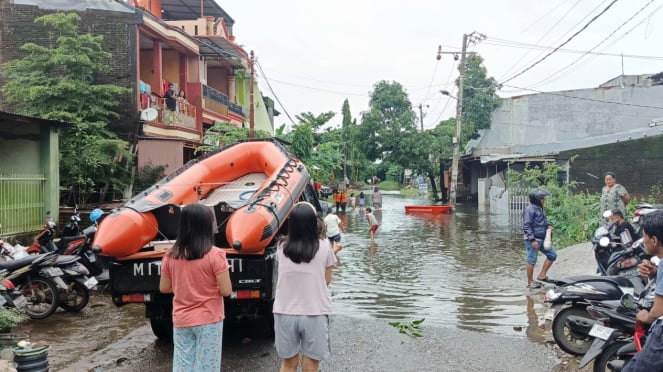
{"x":235,"y":108}
{"x":184,"y":116}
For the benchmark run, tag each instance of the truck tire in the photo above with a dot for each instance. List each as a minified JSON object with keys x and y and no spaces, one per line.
{"x":162,"y":328}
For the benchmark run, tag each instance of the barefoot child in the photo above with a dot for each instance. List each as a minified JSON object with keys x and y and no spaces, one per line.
{"x":372,"y":221}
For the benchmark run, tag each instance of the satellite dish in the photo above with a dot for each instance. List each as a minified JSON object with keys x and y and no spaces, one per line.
{"x":149,"y":114}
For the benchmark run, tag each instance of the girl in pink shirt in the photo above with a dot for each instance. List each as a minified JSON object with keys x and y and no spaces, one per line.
{"x":303,"y":303}
{"x":197,"y":273}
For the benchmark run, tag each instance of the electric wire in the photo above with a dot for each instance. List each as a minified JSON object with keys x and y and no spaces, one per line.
{"x":550,"y":78}
{"x":516,"y":44}
{"x":264,"y":76}
{"x":542,"y":37}
{"x":586,"y":99}
{"x":564,"y":43}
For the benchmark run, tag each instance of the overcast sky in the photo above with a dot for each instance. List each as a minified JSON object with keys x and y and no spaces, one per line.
{"x":315,"y":54}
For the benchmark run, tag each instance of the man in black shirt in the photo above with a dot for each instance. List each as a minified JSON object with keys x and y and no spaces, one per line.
{"x":621,"y":225}
{"x":171,"y":98}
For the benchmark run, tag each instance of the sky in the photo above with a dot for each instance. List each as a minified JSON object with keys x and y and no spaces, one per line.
{"x":315,"y":54}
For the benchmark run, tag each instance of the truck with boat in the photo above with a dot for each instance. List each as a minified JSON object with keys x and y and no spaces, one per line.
{"x":251,"y":187}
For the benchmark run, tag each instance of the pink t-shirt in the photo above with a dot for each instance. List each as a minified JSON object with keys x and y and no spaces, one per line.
{"x":197,"y":299}
{"x":301,"y":288}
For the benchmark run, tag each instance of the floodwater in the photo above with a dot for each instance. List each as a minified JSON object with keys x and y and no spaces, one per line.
{"x":465,"y":269}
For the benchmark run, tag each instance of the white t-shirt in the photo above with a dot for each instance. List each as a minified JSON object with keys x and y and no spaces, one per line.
{"x":332,"y":222}
{"x":301,"y":288}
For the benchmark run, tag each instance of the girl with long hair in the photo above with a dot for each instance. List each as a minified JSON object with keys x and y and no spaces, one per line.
{"x":303,"y":303}
{"x":197,"y":273}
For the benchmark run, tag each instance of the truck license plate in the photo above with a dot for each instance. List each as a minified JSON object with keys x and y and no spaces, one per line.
{"x":600,"y":331}
{"x":91,"y":282}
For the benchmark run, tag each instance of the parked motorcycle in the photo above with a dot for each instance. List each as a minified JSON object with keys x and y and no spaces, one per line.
{"x":35,"y":276}
{"x":616,"y":328}
{"x":10,"y":297}
{"x":570,"y":298}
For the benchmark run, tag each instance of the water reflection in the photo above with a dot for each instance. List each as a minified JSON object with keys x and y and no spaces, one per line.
{"x":464,"y":269}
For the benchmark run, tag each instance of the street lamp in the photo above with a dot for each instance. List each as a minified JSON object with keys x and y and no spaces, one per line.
{"x":446,"y":93}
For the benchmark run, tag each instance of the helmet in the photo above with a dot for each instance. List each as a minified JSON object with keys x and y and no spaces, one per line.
{"x":96,"y":214}
{"x":536,"y":195}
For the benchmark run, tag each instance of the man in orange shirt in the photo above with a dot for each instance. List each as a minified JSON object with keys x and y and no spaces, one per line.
{"x":337,"y":199}
{"x":344,"y":200}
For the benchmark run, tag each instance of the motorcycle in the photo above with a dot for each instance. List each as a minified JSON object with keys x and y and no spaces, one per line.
{"x":10,"y":297}
{"x":571,"y":324}
{"x":71,"y":280}
{"x":616,"y":329}
{"x":35,"y":276}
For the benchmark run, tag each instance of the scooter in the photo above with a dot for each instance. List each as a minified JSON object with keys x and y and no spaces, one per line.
{"x":570,"y":298}
{"x":616,"y":328}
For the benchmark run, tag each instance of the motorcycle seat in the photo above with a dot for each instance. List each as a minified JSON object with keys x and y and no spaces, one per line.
{"x":618,"y":280}
{"x":66,"y":259}
{"x":15,"y":264}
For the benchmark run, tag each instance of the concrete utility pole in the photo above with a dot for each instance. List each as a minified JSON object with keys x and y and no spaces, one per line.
{"x":472,"y":38}
{"x":251,"y":107}
{"x":421,"y":115}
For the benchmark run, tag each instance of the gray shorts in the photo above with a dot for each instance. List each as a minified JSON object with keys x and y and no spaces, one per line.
{"x":308,"y":334}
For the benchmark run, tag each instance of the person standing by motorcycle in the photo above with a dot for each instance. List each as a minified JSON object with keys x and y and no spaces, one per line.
{"x":650,"y":358}
{"x":198,"y":275}
{"x":613,"y":196}
{"x":535,"y":225}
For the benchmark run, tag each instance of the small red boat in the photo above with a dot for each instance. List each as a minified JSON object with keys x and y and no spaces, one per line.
{"x":250,"y":186}
{"x":432,"y":209}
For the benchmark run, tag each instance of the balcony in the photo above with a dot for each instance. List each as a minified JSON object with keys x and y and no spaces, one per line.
{"x":183,"y":117}
{"x":218,"y":102}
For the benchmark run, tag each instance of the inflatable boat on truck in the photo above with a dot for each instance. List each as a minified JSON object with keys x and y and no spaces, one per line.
{"x":251,"y":187}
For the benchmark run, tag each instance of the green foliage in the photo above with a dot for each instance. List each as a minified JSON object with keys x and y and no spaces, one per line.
{"x":224,"y":133}
{"x":57,"y":82}
{"x":302,"y":142}
{"x":479,"y":99}
{"x":411,"y":329}
{"x":574,"y":214}
{"x":10,"y":318}
{"x":390,"y":185}
{"x":148,"y":175}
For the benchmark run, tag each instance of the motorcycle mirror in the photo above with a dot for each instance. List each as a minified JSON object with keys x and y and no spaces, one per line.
{"x":628,"y":301}
{"x":607,"y":213}
{"x":604,"y":241}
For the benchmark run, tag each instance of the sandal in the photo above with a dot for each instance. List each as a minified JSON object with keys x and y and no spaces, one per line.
{"x":543,"y":280}
{"x":534,"y":285}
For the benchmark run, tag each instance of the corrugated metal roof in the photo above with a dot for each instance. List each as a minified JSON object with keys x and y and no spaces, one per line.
{"x":191,"y":9}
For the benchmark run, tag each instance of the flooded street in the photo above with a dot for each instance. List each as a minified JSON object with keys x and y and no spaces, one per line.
{"x":461,"y":271}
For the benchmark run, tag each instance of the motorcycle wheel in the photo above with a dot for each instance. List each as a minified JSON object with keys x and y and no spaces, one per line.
{"x":608,"y":355}
{"x":42,"y":297}
{"x":571,"y":342}
{"x":75,"y":299}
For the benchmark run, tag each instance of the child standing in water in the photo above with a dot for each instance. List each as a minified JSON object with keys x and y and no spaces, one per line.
{"x":362,"y":201}
{"x":372,"y":221}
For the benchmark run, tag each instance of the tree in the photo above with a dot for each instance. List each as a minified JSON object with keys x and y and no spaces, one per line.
{"x":479,"y":98}
{"x":389,"y":118}
{"x":224,"y":133}
{"x":57,"y":82}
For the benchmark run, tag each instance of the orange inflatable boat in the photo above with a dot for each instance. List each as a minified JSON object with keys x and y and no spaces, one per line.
{"x":251,"y":186}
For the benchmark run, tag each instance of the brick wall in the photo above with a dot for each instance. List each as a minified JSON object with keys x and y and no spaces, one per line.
{"x":119,"y":30}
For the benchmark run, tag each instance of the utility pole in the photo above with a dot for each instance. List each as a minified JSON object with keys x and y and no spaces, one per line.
{"x":473,"y":38}
{"x":251,"y":108}
{"x":421,"y":115}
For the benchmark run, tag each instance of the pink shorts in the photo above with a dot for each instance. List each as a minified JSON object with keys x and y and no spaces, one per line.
{"x":374,"y":228}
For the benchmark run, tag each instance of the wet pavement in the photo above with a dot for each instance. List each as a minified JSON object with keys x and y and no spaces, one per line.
{"x":463,"y":272}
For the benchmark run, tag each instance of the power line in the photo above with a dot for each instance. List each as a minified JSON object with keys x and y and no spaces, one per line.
{"x":516,"y":44}
{"x":264,"y":76}
{"x":586,"y":99}
{"x":564,"y":43}
{"x":547,"y":79}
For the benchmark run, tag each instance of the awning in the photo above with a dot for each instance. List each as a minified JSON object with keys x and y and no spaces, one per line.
{"x":191,"y":9}
{"x":218,"y":46}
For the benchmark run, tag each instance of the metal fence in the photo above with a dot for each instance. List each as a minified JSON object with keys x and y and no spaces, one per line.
{"x":21,"y":202}
{"x":518,"y":201}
